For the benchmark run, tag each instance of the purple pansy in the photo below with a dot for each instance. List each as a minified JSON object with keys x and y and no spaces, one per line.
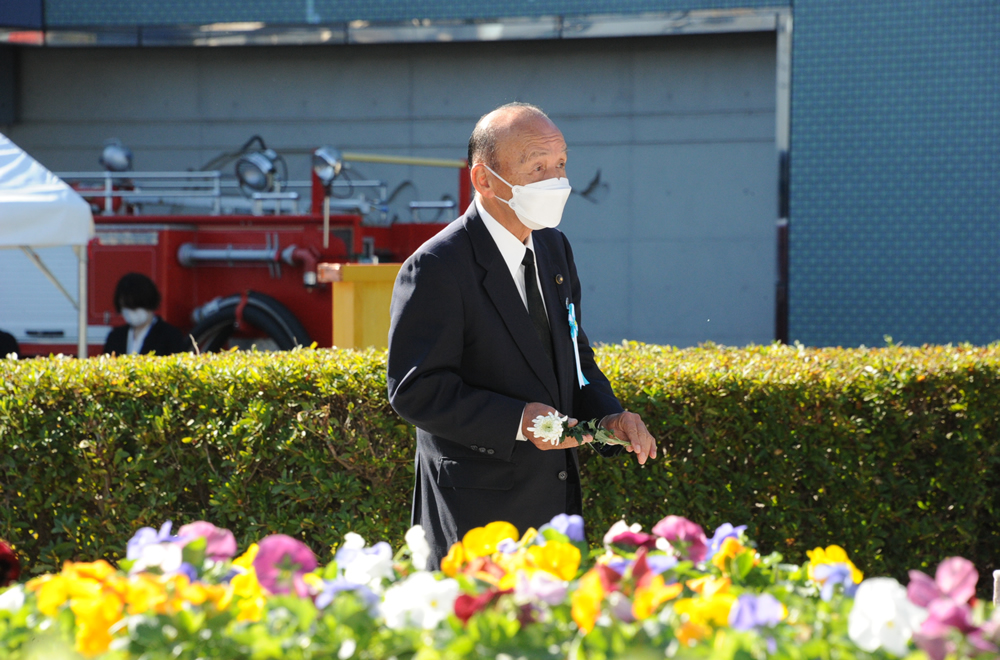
{"x":541,"y":586}
{"x":149,"y":536}
{"x":723,"y":532}
{"x":333,"y":587}
{"x":569,"y":524}
{"x":830,"y":575}
{"x":751,"y":611}
{"x":507,"y":546}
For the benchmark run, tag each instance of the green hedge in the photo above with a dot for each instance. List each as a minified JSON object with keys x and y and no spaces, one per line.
{"x":891,"y":453}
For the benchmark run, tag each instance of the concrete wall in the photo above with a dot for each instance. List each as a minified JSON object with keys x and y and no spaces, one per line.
{"x":675,"y":240}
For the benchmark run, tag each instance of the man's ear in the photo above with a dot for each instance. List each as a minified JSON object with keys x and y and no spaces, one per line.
{"x":481,"y":182}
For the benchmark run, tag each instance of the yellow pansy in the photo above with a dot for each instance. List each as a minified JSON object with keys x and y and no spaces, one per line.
{"x":144,"y":592}
{"x":77,"y":580}
{"x":690,"y":633}
{"x":245,"y":561}
{"x":647,"y":599}
{"x":99,"y":570}
{"x":707,"y":610}
{"x":560,"y":559}
{"x":483,"y":541}
{"x":730,"y":549}
{"x":252,"y":599}
{"x":586,"y":601}
{"x":94,"y":618}
{"x":709,"y":585}
{"x":833,"y":554}
{"x":452,"y":563}
{"x":528,"y":537}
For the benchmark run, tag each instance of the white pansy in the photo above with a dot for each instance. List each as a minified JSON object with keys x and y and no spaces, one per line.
{"x":621,"y":527}
{"x":347,"y":649}
{"x":883,"y":617}
{"x":12,"y":600}
{"x":353,"y":541}
{"x":548,"y":427}
{"x":420,"y":550}
{"x":663,"y":545}
{"x":419,"y":601}
{"x":370,"y":566}
{"x":167,"y":557}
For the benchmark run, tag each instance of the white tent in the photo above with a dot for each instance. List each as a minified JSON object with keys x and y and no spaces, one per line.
{"x":38,"y":209}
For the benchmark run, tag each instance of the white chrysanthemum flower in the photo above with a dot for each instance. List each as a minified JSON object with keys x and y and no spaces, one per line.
{"x":420,"y":550}
{"x":549,"y":427}
{"x":419,"y":601}
{"x":883,"y":616}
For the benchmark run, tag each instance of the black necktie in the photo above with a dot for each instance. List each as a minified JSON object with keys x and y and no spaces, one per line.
{"x":536,"y":309}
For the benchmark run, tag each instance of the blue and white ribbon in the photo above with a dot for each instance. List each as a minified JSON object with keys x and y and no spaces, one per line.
{"x":574,"y":332}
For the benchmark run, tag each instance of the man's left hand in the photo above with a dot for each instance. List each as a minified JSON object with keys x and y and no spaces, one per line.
{"x":628,"y":426}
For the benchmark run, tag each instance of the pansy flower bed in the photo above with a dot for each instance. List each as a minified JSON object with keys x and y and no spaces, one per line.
{"x":500,"y":593}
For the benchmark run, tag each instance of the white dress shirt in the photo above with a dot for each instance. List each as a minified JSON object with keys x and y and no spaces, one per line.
{"x":512,"y":251}
{"x":136,"y":339}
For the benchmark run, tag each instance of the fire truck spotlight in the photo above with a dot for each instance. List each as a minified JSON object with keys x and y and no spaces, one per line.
{"x":327,"y":164}
{"x":115,"y":157}
{"x":256,"y":171}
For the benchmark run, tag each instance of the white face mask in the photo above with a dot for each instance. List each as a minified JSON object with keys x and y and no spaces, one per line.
{"x":538,"y":205}
{"x":137,"y":318}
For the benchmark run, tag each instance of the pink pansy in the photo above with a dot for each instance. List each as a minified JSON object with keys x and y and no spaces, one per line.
{"x":682,"y":532}
{"x":638,"y":539}
{"x":955,"y":578}
{"x":947,"y":600}
{"x":281,"y":562}
{"x":943,"y":616}
{"x":220,"y":544}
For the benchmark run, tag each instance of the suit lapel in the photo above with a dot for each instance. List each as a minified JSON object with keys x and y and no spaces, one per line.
{"x":503,"y":292}
{"x":555,"y":307}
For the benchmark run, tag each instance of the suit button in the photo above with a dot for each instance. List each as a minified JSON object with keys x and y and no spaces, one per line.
{"x":482,"y":450}
{"x":559,"y":279}
{"x":490,"y":452}
{"x":563,"y":475}
{"x":474,"y":448}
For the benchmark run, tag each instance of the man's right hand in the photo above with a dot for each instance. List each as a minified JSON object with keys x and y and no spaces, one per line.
{"x":533,"y":410}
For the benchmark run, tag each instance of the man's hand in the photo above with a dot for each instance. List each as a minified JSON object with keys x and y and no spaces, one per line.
{"x":533,"y":410}
{"x":629,"y":427}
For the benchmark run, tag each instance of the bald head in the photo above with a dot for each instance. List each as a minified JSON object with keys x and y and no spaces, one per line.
{"x":495,"y":128}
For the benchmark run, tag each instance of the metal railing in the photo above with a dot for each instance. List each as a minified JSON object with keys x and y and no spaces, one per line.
{"x":162,"y":188}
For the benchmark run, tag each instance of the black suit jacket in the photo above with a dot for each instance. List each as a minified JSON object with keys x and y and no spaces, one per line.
{"x":464,"y":359}
{"x":8,"y":344}
{"x":163,"y":339}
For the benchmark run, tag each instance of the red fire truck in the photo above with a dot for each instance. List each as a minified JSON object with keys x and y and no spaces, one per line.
{"x":238,"y":268}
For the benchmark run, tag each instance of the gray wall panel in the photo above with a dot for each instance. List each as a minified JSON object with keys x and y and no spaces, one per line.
{"x":679,"y":228}
{"x":687,"y":195}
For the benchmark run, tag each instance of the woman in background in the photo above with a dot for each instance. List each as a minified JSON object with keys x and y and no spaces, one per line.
{"x":136,"y":298}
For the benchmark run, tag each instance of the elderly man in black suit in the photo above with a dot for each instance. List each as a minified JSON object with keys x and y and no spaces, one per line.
{"x":480,"y":344}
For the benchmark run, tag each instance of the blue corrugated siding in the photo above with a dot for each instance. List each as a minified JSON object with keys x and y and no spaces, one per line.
{"x":895,"y":179}
{"x":64,"y":13}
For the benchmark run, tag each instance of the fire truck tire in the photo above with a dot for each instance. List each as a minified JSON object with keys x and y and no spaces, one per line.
{"x":261,"y":311}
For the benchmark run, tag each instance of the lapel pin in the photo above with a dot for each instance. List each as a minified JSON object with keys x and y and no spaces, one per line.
{"x":559,"y":279}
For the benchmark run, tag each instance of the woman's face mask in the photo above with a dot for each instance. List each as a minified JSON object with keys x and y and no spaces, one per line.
{"x":538,"y":205}
{"x":137,"y":318}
